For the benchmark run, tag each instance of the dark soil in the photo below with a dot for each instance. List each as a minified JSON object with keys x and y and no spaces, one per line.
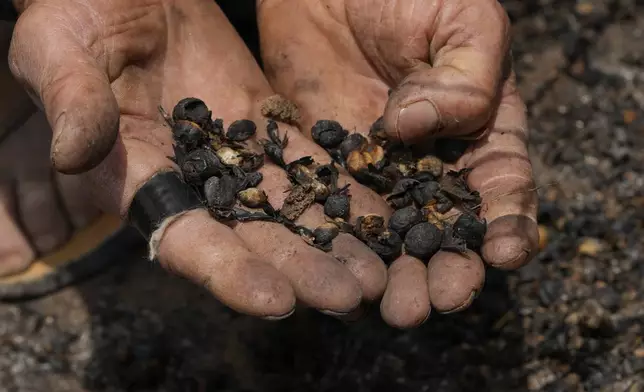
{"x":572,"y":320}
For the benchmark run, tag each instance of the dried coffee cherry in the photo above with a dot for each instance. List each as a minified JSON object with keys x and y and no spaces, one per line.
{"x":430,"y":164}
{"x":424,"y":192}
{"x":471,"y":229}
{"x":194,"y":110}
{"x":423,"y":241}
{"x":252,"y":197}
{"x":220,"y":191}
{"x":338,"y":205}
{"x":369,"y":226}
{"x":388,"y":245}
{"x":404,"y":219}
{"x":353,"y":142}
{"x":241,"y":130}
{"x":328,"y":133}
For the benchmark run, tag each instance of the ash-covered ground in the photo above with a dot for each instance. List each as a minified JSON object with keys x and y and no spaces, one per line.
{"x":572,"y":321}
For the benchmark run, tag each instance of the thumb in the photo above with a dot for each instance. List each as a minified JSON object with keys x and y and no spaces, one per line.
{"x":454,"y":96}
{"x":69,"y":84}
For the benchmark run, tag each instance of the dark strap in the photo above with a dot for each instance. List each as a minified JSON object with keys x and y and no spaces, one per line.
{"x":8,"y":11}
{"x":163,"y":196}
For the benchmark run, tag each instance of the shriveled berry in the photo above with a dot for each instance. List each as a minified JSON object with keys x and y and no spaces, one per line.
{"x":188,"y":134}
{"x":325,"y":233}
{"x":423,"y":241}
{"x":228,"y":156}
{"x":424,"y":192}
{"x":355,"y":141}
{"x":241,"y":130}
{"x":338,"y":205}
{"x":424,"y":176}
{"x":192,"y":109}
{"x":328,"y":133}
{"x":369,"y":226}
{"x":430,"y":164}
{"x":404,"y":219}
{"x":450,"y":150}
{"x":220,"y":192}
{"x":252,"y":197}
{"x":199,"y":165}
{"x":388,"y":245}
{"x":471,"y":229}
{"x":253,"y":179}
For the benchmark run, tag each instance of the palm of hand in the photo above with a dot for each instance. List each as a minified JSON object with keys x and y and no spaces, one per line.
{"x":448,"y":58}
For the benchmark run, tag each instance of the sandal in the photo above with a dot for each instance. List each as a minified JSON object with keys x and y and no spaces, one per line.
{"x":89,"y":251}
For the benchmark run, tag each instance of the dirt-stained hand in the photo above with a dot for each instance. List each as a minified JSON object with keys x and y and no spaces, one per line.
{"x":448,"y":66}
{"x":100,"y":69}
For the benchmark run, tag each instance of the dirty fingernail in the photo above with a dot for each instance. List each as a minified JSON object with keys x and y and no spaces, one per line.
{"x":416,"y":121}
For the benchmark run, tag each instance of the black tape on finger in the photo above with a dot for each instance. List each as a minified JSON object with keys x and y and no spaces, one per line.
{"x":163,"y":196}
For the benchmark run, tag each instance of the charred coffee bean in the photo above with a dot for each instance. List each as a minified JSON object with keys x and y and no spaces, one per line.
{"x":424,"y":192}
{"x":430,"y":164}
{"x":194,"y":110}
{"x":220,"y":191}
{"x":325,"y":233}
{"x":328,"y":133}
{"x":338,"y":205}
{"x":229,"y":157}
{"x":471,"y":229}
{"x":450,"y":150}
{"x":387,"y":245}
{"x":423,"y":241}
{"x":188,"y":134}
{"x":241,"y":130}
{"x":369,"y":226}
{"x":353,"y":142}
{"x":404,"y":219}
{"x":201,"y":164}
{"x":252,"y":197}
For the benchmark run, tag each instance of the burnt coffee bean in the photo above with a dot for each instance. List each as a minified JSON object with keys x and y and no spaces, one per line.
{"x":338,"y":205}
{"x":252,"y":197}
{"x":229,"y":157}
{"x":241,"y":130}
{"x":201,"y":164}
{"x":424,"y":192}
{"x":220,"y":191}
{"x":404,"y":219}
{"x":194,"y":110}
{"x":450,"y":150}
{"x":423,"y":241}
{"x":325,"y":233}
{"x":430,"y":164}
{"x":387,"y":245}
{"x":188,"y":134}
{"x":369,"y":226}
{"x":328,"y":133}
{"x":353,"y":142}
{"x":471,"y":229}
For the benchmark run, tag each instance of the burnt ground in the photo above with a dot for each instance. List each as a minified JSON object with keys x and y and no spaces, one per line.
{"x":570,"y":321}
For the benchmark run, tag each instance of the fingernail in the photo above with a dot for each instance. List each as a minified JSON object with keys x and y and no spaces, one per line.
{"x":277,"y":318}
{"x":416,"y":121}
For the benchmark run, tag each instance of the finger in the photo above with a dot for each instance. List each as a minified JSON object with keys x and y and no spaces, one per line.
{"x":406,"y":301}
{"x":15,"y":251}
{"x":73,"y":194}
{"x":454,"y":280}
{"x":192,"y":245}
{"x":455,"y":92}
{"x":502,"y":173}
{"x":71,"y":85}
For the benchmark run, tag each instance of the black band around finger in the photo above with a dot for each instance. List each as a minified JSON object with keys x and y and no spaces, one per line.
{"x":163,"y":196}
{"x":8,"y":12}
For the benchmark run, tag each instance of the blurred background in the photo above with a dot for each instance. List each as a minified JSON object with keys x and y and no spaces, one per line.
{"x":571,"y":321}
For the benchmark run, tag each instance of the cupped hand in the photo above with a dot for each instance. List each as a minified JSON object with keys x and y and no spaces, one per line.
{"x":100,"y":69}
{"x":448,"y":66}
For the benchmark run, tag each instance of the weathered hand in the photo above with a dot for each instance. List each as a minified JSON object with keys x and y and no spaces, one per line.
{"x":447,"y":63}
{"x":102,"y":68}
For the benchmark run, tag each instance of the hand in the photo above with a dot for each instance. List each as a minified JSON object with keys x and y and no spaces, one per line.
{"x":448,"y":65}
{"x":100,"y":69}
